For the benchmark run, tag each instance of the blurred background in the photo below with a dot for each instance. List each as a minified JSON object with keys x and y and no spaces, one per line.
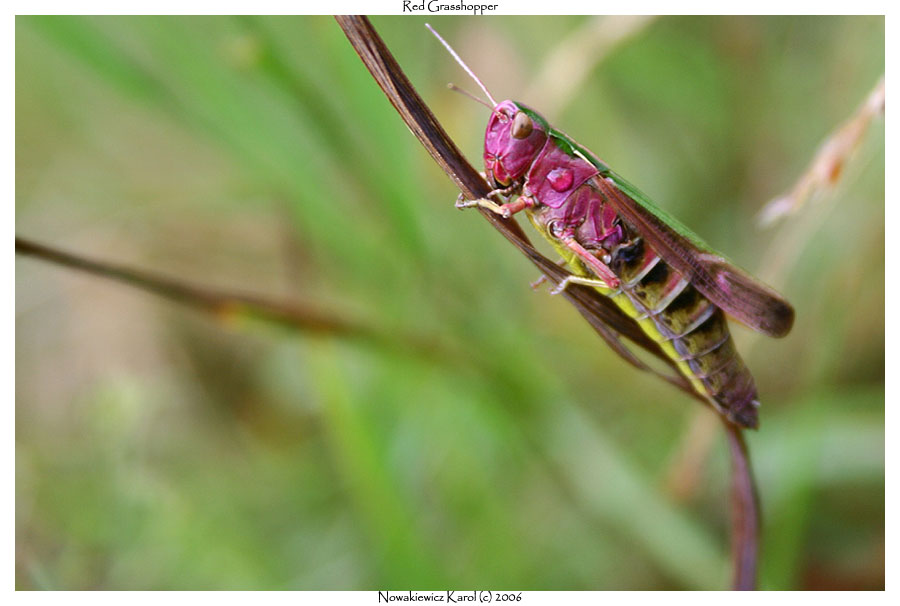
{"x":485,"y":438}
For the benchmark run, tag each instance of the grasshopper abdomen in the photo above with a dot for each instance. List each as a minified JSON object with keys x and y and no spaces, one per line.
{"x":690,"y":329}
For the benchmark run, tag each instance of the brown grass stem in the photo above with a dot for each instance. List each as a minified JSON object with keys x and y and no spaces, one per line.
{"x":745,"y":522}
{"x":598,"y":310}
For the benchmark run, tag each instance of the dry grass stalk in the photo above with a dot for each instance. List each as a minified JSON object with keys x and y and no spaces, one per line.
{"x":827,"y":166}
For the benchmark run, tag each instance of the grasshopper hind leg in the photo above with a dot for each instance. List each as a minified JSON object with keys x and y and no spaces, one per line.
{"x":573,"y":279}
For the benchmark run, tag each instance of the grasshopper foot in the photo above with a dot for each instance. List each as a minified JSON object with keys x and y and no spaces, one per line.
{"x":543,"y":277}
{"x":534,"y":285}
{"x":462,"y":204}
{"x":504,"y":209}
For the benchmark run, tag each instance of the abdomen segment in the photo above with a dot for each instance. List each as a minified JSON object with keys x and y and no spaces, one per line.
{"x":688,"y":327}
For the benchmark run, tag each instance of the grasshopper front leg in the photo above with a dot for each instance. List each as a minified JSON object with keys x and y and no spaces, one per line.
{"x":505,"y":210}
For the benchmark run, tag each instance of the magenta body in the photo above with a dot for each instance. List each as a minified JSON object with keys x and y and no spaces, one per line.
{"x":552,"y":179}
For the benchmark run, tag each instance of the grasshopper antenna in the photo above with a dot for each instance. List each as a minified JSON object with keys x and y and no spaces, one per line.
{"x":461,"y":91}
{"x":462,"y":64}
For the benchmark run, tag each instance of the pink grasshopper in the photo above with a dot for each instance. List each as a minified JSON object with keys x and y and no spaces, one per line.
{"x":612,"y":238}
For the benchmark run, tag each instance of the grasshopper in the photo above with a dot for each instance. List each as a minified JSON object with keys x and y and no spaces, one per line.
{"x":612,"y":238}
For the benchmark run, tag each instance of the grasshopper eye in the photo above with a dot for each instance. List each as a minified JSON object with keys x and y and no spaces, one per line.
{"x":521,"y":126}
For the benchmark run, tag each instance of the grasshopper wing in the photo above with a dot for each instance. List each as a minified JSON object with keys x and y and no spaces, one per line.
{"x":728,"y":287}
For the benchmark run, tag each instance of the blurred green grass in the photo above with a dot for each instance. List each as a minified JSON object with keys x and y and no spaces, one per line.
{"x":158,"y":448}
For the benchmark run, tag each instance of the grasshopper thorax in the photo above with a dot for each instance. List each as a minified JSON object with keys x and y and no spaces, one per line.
{"x":515,"y":136}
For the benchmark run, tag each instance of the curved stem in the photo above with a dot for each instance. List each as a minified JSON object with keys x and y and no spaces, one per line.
{"x":744,"y":512}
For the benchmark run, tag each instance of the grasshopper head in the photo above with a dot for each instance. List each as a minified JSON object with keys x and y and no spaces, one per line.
{"x":515,"y":134}
{"x":514,"y":137}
